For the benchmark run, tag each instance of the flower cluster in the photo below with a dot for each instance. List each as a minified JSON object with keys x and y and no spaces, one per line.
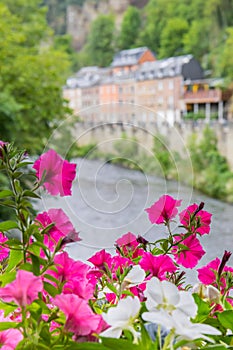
{"x":135,"y":298}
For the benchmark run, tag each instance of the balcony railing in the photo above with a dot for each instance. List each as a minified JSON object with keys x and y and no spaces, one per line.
{"x":203,"y":96}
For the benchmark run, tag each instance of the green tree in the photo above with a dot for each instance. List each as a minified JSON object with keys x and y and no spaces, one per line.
{"x":130,"y":28}
{"x":194,"y":41}
{"x":32,"y":73}
{"x":163,"y":156}
{"x":211,"y":170}
{"x":100,"y":41}
{"x":171,"y":37}
{"x":225,"y":65}
{"x":155,"y":16}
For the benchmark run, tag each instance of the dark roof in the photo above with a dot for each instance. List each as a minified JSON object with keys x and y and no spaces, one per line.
{"x":128,"y":57}
{"x":184,"y":65}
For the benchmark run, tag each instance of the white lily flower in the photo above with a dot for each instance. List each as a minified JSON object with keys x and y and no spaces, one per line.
{"x":134,"y":277}
{"x":190,"y":331}
{"x":164,"y":297}
{"x":173,"y":309}
{"x":122,"y":318}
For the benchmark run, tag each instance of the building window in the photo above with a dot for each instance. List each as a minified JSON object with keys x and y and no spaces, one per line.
{"x":171,"y":84}
{"x":160,"y":100}
{"x":160,"y":85}
{"x":171,"y":102}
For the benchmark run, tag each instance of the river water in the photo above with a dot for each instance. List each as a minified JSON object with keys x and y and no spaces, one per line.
{"x":109,"y":201}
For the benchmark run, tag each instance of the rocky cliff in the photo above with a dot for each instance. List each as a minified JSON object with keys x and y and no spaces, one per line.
{"x":79,"y":18}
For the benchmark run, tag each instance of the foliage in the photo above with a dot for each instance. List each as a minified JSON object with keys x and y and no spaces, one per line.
{"x":30,"y":83}
{"x":226,"y":60}
{"x":130,"y":28}
{"x":195,"y":116}
{"x":173,"y":29}
{"x":193,"y":19}
{"x":99,"y":45}
{"x":64,"y":43}
{"x":127,"y":152}
{"x":211,"y":171}
{"x":164,"y":157}
{"x":171,"y":41}
{"x":134,"y":299}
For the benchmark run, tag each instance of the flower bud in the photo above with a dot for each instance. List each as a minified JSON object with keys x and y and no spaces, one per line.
{"x":212,"y":294}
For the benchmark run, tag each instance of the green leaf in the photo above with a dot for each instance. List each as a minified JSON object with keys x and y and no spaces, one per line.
{"x":26,"y":267}
{"x":217,"y":347}
{"x":30,"y":194}
{"x":7,"y":278}
{"x":35,"y":264}
{"x":45,"y":334}
{"x":87,"y":346}
{"x":51,"y":278}
{"x":13,"y":242}
{"x":50,"y":289}
{"x":17,"y":174}
{"x":6,"y":193}
{"x":8,"y":225}
{"x":7,"y":325}
{"x":8,"y":203}
{"x":116,"y":344}
{"x":203,"y":309}
{"x":16,"y":256}
{"x":111,"y":287}
{"x":22,"y":164}
{"x":7,"y":308}
{"x":226,"y":319}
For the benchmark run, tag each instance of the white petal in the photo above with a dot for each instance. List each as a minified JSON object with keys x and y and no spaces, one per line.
{"x":136,"y":275}
{"x":170,"y":292}
{"x":213,"y":293}
{"x":154,"y":293}
{"x":160,"y":317}
{"x":188,"y":330}
{"x":187,"y":304}
{"x":207,"y":329}
{"x":111,"y":332}
{"x":125,"y":310}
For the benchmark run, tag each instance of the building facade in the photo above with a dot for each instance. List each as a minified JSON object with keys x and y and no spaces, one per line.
{"x":138,"y":88}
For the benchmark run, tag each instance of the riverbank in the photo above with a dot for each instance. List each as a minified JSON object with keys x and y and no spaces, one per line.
{"x":202,"y":168}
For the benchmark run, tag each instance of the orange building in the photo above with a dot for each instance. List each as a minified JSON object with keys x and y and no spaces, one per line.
{"x":129,"y":60}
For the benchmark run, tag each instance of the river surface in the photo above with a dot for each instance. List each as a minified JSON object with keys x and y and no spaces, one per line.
{"x":109,"y":201}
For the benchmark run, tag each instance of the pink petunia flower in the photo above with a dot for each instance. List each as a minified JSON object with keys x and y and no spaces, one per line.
{"x":80,"y":319}
{"x":158,"y":266}
{"x":4,"y":252}
{"x":163,"y":210}
{"x":202,"y":219}
{"x":74,"y":275}
{"x":23,"y":290}
{"x":67,"y":268}
{"x":129,"y":245}
{"x":99,"y":258}
{"x":62,"y":226}
{"x":207,"y":274}
{"x":9,"y":338}
{"x":189,"y":252}
{"x":119,"y":263}
{"x":59,"y":173}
